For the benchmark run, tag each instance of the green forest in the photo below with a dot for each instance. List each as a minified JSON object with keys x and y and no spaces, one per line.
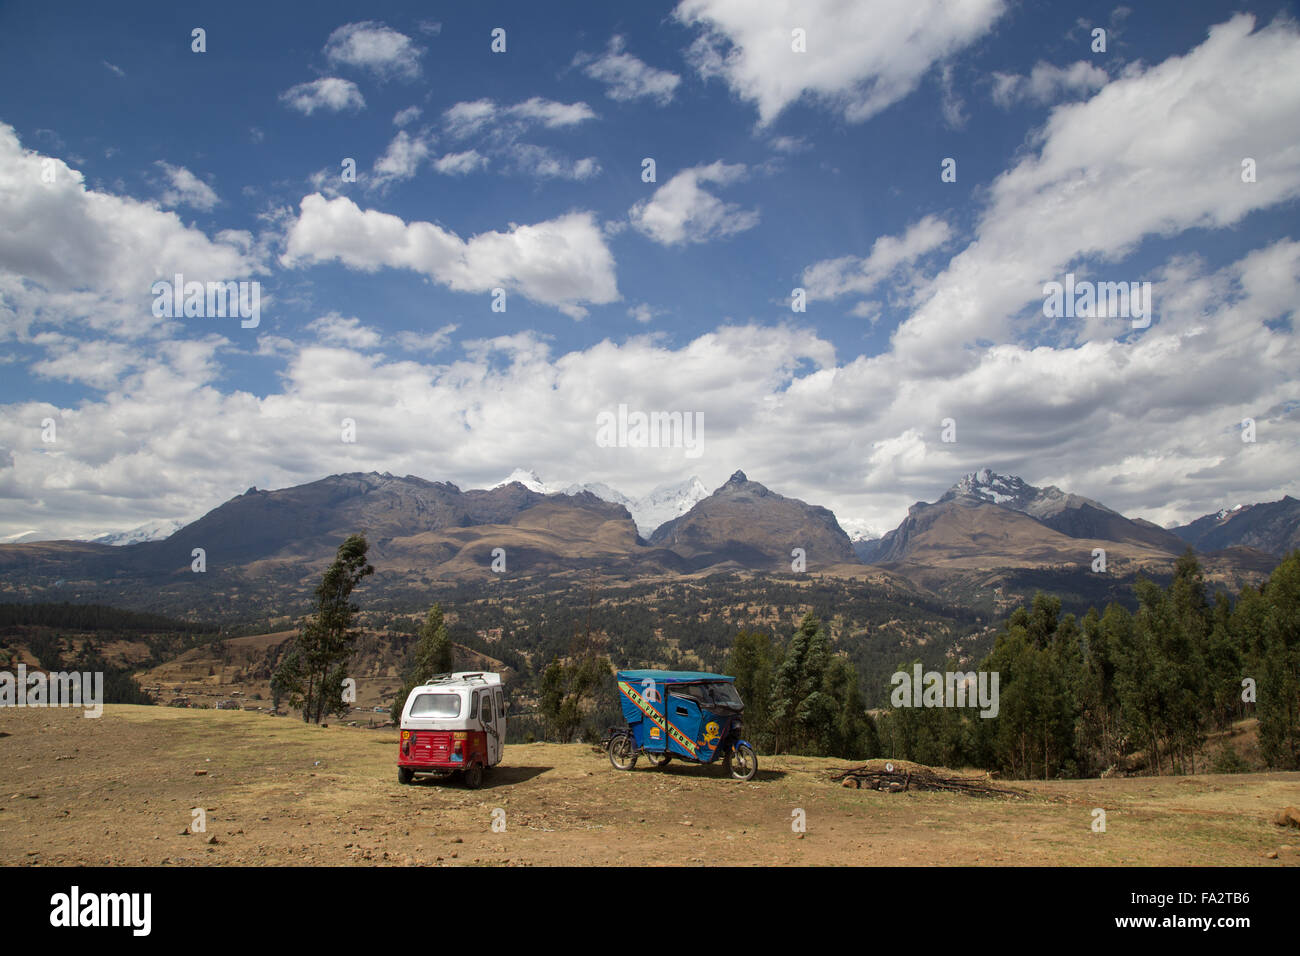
{"x":1077,"y":696}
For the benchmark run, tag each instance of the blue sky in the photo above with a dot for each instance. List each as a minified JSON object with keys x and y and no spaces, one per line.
{"x":775,"y":169}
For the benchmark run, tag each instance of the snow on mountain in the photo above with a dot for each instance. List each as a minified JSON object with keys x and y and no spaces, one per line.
{"x":155,"y":530}
{"x":529,"y":479}
{"x":664,"y":503}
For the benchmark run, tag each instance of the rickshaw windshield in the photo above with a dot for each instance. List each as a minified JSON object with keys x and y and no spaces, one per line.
{"x":436,"y":705}
{"x":723,"y":694}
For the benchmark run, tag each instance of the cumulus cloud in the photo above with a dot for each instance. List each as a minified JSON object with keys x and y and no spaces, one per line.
{"x":626,"y":77}
{"x":861,"y":57}
{"x":327,"y":93}
{"x":681,"y":211}
{"x":1048,"y":84}
{"x":772,"y":399}
{"x":186,"y":189}
{"x":1156,"y":152}
{"x":71,"y":254}
{"x":561,"y":262}
{"x":374,"y":47}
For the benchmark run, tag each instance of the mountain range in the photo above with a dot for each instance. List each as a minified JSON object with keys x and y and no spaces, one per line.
{"x":987,"y":536}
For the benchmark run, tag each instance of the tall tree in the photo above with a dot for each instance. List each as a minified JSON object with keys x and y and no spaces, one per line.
{"x":316,"y":666}
{"x":801,"y":708}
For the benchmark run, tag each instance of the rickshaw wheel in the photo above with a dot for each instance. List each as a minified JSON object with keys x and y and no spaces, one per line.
{"x":405,"y":774}
{"x":622,"y":752}
{"x":745,"y":765}
{"x":659,"y":760}
{"x":474,"y":777}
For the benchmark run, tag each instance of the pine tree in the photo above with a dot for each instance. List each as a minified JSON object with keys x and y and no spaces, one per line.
{"x":800,"y":708}
{"x":312,"y":673}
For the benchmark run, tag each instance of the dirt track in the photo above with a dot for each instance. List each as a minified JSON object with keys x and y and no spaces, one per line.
{"x":120,"y":790}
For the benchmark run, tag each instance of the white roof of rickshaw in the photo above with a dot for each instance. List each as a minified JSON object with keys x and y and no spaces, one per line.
{"x":461,"y":679}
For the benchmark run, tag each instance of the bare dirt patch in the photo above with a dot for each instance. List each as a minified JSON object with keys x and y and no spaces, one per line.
{"x":120,"y":790}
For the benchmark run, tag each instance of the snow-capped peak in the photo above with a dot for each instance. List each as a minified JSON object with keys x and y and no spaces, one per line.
{"x":664,"y":503}
{"x":988,"y":485}
{"x":529,"y":479}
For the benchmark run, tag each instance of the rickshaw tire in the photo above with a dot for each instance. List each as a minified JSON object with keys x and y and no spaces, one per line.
{"x":405,"y":774}
{"x":474,"y":777}
{"x":752,"y":762}
{"x":613,"y":743}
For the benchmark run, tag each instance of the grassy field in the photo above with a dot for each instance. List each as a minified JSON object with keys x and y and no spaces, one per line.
{"x":121,"y":790}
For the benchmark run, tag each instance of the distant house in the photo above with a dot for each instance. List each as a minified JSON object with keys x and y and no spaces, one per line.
{"x":228,"y":705}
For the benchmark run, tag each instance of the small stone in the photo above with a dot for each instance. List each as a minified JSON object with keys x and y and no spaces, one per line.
{"x":200,"y":773}
{"x":1271,"y":855}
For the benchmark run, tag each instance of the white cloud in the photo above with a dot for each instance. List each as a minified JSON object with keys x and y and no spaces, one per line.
{"x":680,"y":211}
{"x":642,"y":312}
{"x":468,"y":117}
{"x":407,"y":116}
{"x":499,"y":131}
{"x":335,"y":329}
{"x":459,"y":164}
{"x":851,"y":275}
{"x":186,"y":189}
{"x":543,"y":163}
{"x":860,"y":59}
{"x":374,"y":47}
{"x":561,"y":262}
{"x":1048,"y":84}
{"x":1156,"y":152}
{"x":400,"y":161}
{"x":327,"y":93}
{"x":627,"y":77}
{"x":773,"y":398}
{"x":70,"y":254}
{"x":472,"y":116}
{"x":431,"y":342}
{"x":789,"y":144}
{"x":551,"y":114}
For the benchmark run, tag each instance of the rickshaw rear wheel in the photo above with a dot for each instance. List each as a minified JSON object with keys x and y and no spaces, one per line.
{"x":405,"y":774}
{"x":474,"y":777}
{"x":659,"y":760}
{"x":622,"y":752}
{"x":744,"y":764}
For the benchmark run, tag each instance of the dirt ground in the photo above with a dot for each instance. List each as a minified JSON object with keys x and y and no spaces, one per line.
{"x":121,"y":790}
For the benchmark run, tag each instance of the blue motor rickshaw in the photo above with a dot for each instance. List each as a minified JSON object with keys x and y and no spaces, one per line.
{"x":690,"y":715}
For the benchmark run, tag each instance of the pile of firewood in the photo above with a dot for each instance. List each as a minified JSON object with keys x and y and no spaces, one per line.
{"x":891,"y":778}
